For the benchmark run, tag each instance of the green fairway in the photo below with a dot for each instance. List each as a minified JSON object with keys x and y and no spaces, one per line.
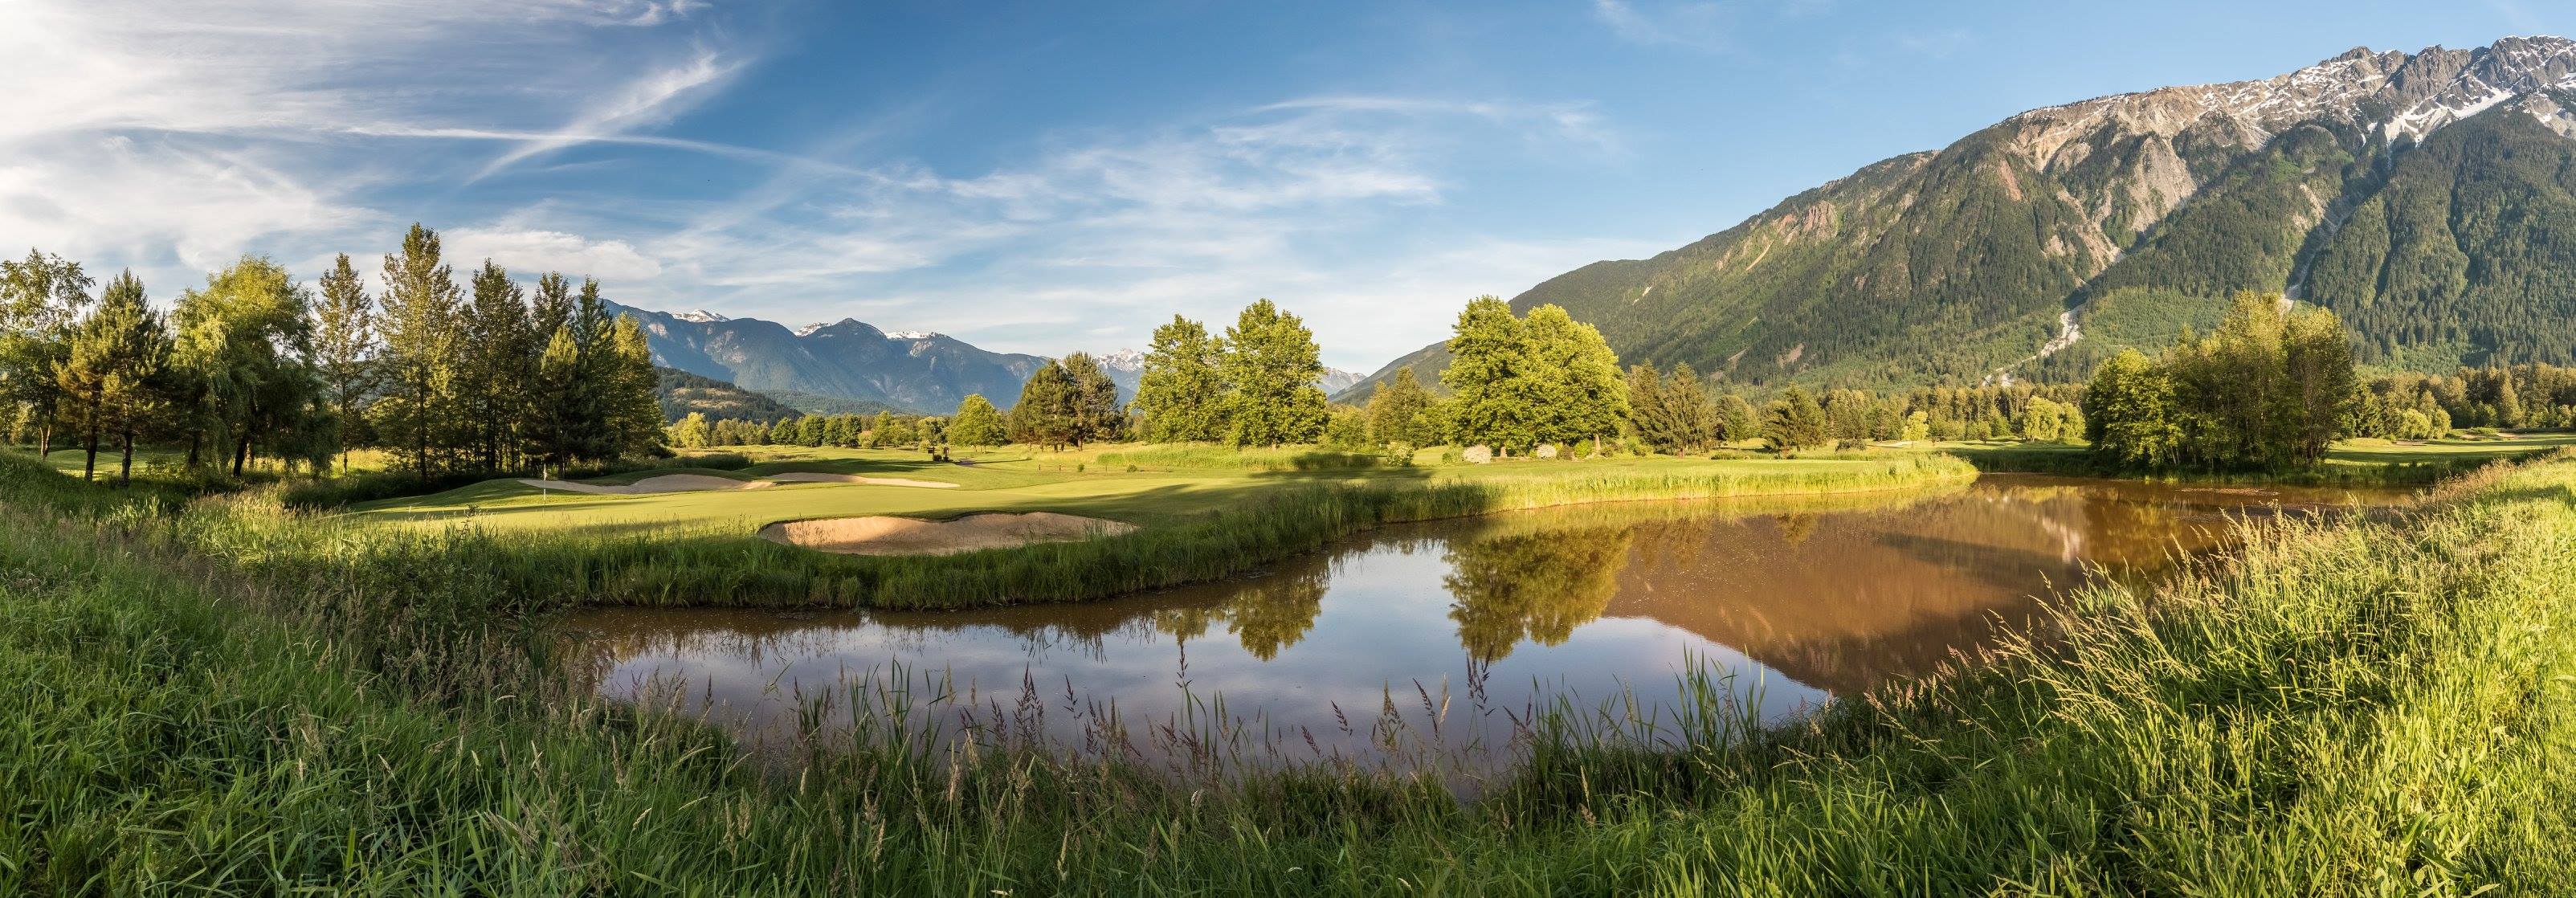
{"x":1012,"y":479}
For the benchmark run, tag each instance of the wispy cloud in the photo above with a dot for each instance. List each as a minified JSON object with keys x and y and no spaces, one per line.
{"x":1111,"y":233}
{"x":648,"y":100}
{"x":172,"y":135}
{"x":1699,"y":26}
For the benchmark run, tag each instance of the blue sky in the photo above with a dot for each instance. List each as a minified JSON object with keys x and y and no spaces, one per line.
{"x":1044,"y":177}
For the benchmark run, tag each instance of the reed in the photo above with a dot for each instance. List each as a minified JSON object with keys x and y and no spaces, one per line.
{"x":2376,"y":705}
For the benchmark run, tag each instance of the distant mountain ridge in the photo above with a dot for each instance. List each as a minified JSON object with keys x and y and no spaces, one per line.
{"x":848,"y":360}
{"x":2417,"y":195}
{"x":838,"y":367}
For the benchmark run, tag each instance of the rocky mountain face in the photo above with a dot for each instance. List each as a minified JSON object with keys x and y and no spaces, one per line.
{"x":847,"y":360}
{"x":2415,"y":194}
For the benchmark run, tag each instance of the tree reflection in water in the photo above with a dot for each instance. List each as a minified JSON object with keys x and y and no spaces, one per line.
{"x":1540,"y":586}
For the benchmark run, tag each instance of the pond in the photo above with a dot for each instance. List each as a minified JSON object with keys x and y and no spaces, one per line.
{"x":1441,"y":640}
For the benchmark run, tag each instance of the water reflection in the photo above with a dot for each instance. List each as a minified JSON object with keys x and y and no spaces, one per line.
{"x":1807,"y":600}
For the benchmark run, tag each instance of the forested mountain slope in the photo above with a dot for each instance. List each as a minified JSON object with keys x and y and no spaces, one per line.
{"x":2415,"y":193}
{"x":847,"y":360}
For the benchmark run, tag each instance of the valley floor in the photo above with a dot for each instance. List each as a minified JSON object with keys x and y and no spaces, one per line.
{"x":213,"y":701}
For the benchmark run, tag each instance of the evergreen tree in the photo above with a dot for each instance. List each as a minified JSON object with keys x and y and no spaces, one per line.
{"x":1672,"y":415}
{"x":1271,"y":365}
{"x":1182,"y":395}
{"x":492,"y":383}
{"x":418,"y":321}
{"x":1794,"y":421}
{"x":1736,"y":418}
{"x":111,"y":377}
{"x":1489,"y":392}
{"x":344,"y":337}
{"x":630,"y":417}
{"x":1395,"y":411}
{"x":977,"y":423}
{"x":1045,"y":415}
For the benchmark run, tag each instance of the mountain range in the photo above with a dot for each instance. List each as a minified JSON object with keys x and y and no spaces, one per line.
{"x":851,"y":366}
{"x":2427,"y":198}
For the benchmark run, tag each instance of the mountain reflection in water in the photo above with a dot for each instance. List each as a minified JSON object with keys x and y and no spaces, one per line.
{"x":1800,"y":600}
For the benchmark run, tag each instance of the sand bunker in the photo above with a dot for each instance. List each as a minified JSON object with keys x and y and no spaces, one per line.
{"x":667,"y":483}
{"x":802,"y":477}
{"x":886,"y":535}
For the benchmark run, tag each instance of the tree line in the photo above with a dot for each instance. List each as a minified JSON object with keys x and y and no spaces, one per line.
{"x":976,"y":423}
{"x":447,"y":377}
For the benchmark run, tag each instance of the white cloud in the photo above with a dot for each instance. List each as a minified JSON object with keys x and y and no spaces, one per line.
{"x":530,"y":251}
{"x":171,"y":136}
{"x":1301,"y":201}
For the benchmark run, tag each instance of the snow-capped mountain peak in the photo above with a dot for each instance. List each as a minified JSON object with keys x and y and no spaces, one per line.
{"x":910,"y":335}
{"x":701,"y":316}
{"x":1123,"y":360}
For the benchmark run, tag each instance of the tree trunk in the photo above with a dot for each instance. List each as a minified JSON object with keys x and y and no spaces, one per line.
{"x":89,"y":465}
{"x":241,"y":453}
{"x":125,"y":467}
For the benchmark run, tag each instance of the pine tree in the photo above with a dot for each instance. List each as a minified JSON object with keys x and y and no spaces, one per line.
{"x":1182,"y":395}
{"x":344,"y":337}
{"x":419,"y":322}
{"x":1395,"y":411}
{"x":492,"y":383}
{"x":1044,"y":416}
{"x":111,"y":376}
{"x":630,"y":416}
{"x":1795,"y":421}
{"x":1271,"y":365}
{"x":977,"y":423}
{"x":553,"y":428}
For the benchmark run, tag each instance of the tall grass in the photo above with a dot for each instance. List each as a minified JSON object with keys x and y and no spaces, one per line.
{"x":2372,"y":706}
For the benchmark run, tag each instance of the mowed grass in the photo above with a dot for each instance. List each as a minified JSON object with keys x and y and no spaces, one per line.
{"x":1093,"y":482}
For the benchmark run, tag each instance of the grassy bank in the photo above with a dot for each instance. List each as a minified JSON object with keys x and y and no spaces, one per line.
{"x":2370,"y":707}
{"x":2366,"y":462}
{"x":699,"y":548}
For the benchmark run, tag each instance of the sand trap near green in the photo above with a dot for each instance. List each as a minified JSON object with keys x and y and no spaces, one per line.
{"x":891,"y":535}
{"x":667,"y":483}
